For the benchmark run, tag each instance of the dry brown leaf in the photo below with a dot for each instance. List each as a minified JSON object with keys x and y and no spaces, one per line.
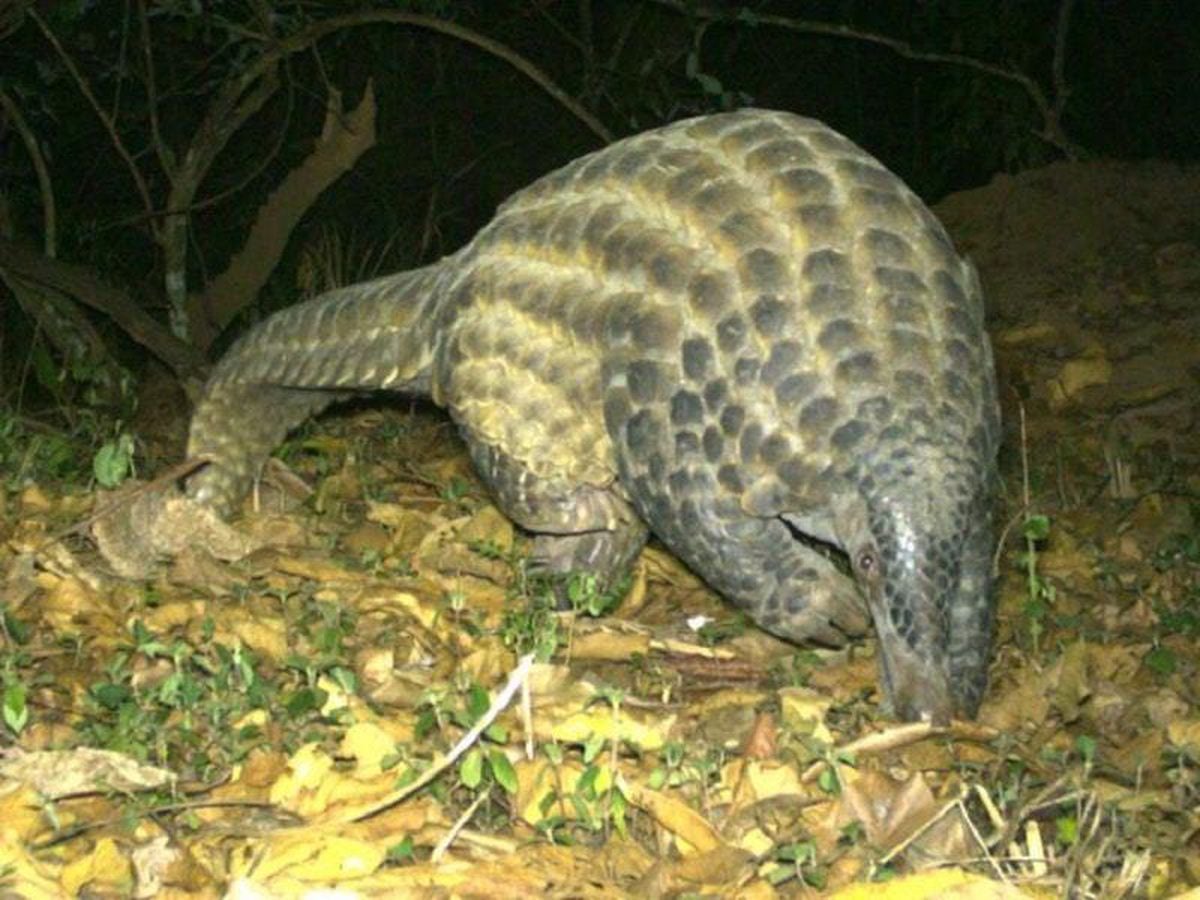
{"x":602,"y":643}
{"x":1184,"y":734}
{"x":846,"y":678}
{"x":762,"y":742}
{"x":1070,"y":679}
{"x":319,"y":568}
{"x":745,"y":782}
{"x":368,"y":537}
{"x":152,"y":862}
{"x":544,"y":789}
{"x":62,"y":773}
{"x":263,"y":633}
{"x":21,"y":811}
{"x":714,"y":868}
{"x":889,"y":811}
{"x":69,"y":601}
{"x":679,"y":819}
{"x":1024,"y":704}
{"x":37,"y":880}
{"x":489,"y":525}
{"x":647,"y":733}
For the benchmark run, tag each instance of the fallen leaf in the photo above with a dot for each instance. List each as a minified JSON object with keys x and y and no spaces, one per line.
{"x":103,"y":870}
{"x":62,"y":773}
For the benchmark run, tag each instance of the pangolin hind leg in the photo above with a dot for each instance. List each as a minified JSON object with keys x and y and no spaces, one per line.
{"x":576,"y":527}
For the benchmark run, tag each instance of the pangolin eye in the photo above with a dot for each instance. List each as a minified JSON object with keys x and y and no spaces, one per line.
{"x":866,"y":562}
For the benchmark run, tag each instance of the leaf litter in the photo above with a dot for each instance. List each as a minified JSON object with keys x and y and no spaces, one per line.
{"x":360,"y":687}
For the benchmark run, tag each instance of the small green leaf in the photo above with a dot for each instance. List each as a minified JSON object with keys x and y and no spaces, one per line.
{"x":113,"y":462}
{"x":618,"y":809}
{"x":1036,"y":528}
{"x":1085,"y":746}
{"x":502,"y":771}
{"x":16,"y":713}
{"x":470,"y":770}
{"x":1067,"y":830}
{"x":304,"y":701}
{"x":586,"y":786}
{"x":710,"y":85}
{"x":110,"y":695}
{"x":593,"y":747}
{"x":478,"y":702}
{"x":1161,"y":661}
{"x":828,"y":781}
{"x":401,"y":852}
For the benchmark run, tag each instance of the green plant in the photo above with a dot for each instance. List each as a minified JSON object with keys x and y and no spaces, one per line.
{"x":799,"y":860}
{"x":595,"y":803}
{"x":113,"y":462}
{"x":1040,"y":594}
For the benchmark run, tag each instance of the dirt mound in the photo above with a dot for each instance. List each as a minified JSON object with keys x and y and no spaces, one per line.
{"x":1092,"y":277}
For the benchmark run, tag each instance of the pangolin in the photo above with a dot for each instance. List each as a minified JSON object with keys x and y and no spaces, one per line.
{"x":739,"y":332}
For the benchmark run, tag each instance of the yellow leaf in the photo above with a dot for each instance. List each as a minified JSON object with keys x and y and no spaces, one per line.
{"x":1185,"y":734}
{"x":537,"y":779}
{"x":338,"y":858}
{"x":769,"y":778}
{"x":488,"y":524}
{"x":583,"y":726}
{"x":369,"y":745}
{"x":337,"y":698}
{"x":803,"y":711}
{"x":944,"y":883}
{"x":609,"y":645}
{"x":306,"y":769}
{"x":264,"y":634}
{"x":21,"y":813}
{"x":22,"y":869}
{"x":104,"y":868}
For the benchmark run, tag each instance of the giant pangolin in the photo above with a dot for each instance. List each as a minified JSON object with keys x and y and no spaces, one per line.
{"x":740,"y":332}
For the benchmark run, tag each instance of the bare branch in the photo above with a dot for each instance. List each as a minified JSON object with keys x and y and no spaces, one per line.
{"x":344,"y":138}
{"x":305,"y":38}
{"x":161,"y":148}
{"x":109,"y":126}
{"x":45,"y":185}
{"x":82,"y":284}
{"x":1061,"y":91}
{"x":1051,"y":132}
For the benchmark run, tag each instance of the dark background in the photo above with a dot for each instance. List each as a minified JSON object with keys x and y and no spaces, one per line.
{"x":466,"y":125}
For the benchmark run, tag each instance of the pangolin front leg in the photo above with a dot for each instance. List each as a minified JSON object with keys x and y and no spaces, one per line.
{"x":576,"y":527}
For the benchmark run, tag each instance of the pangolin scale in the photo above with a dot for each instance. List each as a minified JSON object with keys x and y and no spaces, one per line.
{"x":740,"y":332}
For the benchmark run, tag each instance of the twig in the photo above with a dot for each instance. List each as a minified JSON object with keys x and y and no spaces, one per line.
{"x":84,"y":827}
{"x":459,"y":824}
{"x":901,"y":736}
{"x":956,"y":803}
{"x":160,"y":146}
{"x":45,"y":186}
{"x":86,"y":90}
{"x":1052,"y":131}
{"x":515,"y":680}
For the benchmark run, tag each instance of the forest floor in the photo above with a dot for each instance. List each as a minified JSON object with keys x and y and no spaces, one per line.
{"x":288,"y":720}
